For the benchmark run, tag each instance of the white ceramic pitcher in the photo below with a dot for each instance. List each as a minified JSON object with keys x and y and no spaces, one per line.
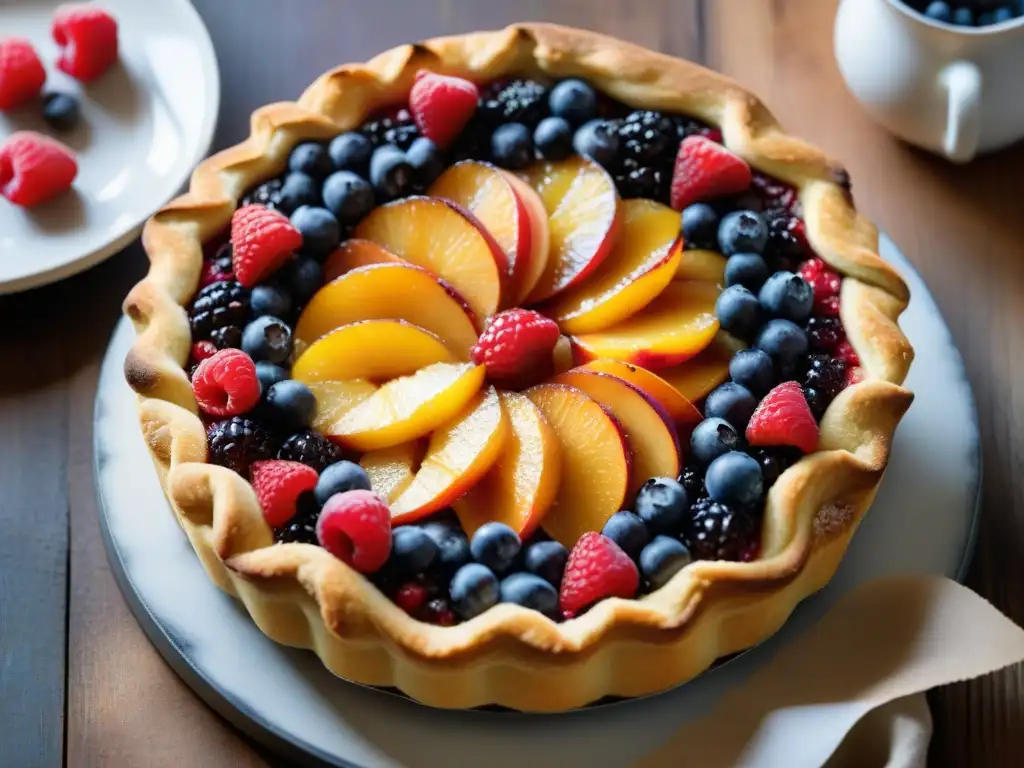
{"x":958,"y":91}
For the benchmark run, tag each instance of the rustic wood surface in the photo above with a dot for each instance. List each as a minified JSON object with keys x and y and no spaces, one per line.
{"x":79,"y":682}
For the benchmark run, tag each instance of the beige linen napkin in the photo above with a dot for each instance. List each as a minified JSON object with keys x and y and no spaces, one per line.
{"x":850,"y":690}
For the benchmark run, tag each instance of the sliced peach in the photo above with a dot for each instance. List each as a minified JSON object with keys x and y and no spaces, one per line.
{"x":642,"y":263}
{"x":355,"y":253}
{"x":683,"y":413}
{"x":540,"y":240}
{"x":408,"y":407}
{"x":483,"y":190}
{"x":520,"y":487}
{"x":390,"y":291}
{"x":583,"y":219}
{"x":648,"y":426}
{"x":695,"y":378}
{"x":445,"y":238}
{"x":596,"y":461}
{"x":336,"y":398}
{"x":391,"y":470}
{"x":377,"y":350}
{"x":459,"y":453}
{"x":708,"y":266}
{"x":672,"y":328}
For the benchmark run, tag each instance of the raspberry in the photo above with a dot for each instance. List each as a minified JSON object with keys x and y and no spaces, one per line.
{"x":854,"y":375}
{"x":718,"y":532}
{"x":824,"y":280}
{"x":828,"y":307}
{"x":597,"y":568}
{"x":355,"y":527}
{"x":705,"y":169}
{"x":203,"y":350}
{"x":410,"y":597}
{"x":783,"y":417}
{"x":226,"y":383}
{"x":279,"y":485}
{"x":847,"y":354}
{"x":21,"y":73}
{"x":35,"y":168}
{"x":262,"y":240}
{"x":442,"y":105}
{"x":218,"y":268}
{"x":824,"y":333}
{"x":516,"y":346}
{"x":439,"y":612}
{"x":310,"y":448}
{"x":88,"y":36}
{"x":238,"y":442}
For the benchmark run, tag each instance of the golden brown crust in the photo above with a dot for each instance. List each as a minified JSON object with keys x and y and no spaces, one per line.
{"x":300,"y":595}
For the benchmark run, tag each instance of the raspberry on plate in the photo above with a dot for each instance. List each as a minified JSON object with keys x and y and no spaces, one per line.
{"x":226,"y":384}
{"x":442,"y":105}
{"x":262,"y":240}
{"x":516,"y":345}
{"x":278,"y":485}
{"x":21,"y":72}
{"x":705,"y":169}
{"x":784,"y":418}
{"x":35,"y":168}
{"x":597,"y":568}
{"x":88,"y":37}
{"x":355,"y":527}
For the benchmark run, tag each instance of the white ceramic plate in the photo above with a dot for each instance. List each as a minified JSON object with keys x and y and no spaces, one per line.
{"x":144,"y":126}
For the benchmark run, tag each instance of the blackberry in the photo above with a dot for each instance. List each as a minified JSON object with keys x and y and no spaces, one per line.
{"x":398,"y":129}
{"x":718,"y":532}
{"x":222,"y":260}
{"x":636,"y":180}
{"x":646,"y":136}
{"x":301,"y":529}
{"x":824,"y":333}
{"x":267,"y":194}
{"x":310,"y":448}
{"x":687,"y":126}
{"x":237,"y":442}
{"x":823,"y":380}
{"x":692,"y":479}
{"x":228,"y":337}
{"x":774,"y":461}
{"x":474,"y":143}
{"x":513,"y":101}
{"x":220,"y":305}
{"x":785,"y":247}
{"x":438,"y":611}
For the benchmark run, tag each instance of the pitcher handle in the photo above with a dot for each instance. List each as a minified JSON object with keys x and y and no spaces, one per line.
{"x":962,"y":83}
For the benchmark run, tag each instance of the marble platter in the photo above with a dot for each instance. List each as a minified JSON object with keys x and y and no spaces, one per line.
{"x":923,"y":521}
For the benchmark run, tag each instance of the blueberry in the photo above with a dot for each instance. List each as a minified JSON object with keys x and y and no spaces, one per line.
{"x":270,"y":299}
{"x":267,"y":338}
{"x":753,"y":369}
{"x":340,"y":477}
{"x":553,"y":138}
{"x":530,"y":591}
{"x":290,"y":405}
{"x":661,"y":503}
{"x":711,"y":438}
{"x":512,"y":146}
{"x":1001,"y":14}
{"x":963,"y":17}
{"x":735,"y":479}
{"x":732,"y":402}
{"x":700,"y":226}
{"x":298,"y":189}
{"x":269,"y":374}
{"x":597,"y":140}
{"x":390,"y":173}
{"x":412,"y":551}
{"x":351,"y":152}
{"x":473,"y":590}
{"x":662,"y":559}
{"x":986,"y":18}
{"x":747,"y":269}
{"x":312,"y":159}
{"x":787,"y":296}
{"x":547,"y":559}
{"x":495,"y":545}
{"x":303,"y":278}
{"x":320,"y":231}
{"x":738,"y":312}
{"x":573,"y":100}
{"x":742,"y":232}
{"x":452,"y":545}
{"x":784,"y":341}
{"x":628,"y":531}
{"x":939,"y":11}
{"x":348,"y":196}
{"x":60,"y":111}
{"x":426,"y":160}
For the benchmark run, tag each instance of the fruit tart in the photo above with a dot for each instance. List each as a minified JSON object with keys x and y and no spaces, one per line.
{"x":524,"y":368}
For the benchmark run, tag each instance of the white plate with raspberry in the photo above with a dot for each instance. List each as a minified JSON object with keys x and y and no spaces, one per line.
{"x":142,"y":124}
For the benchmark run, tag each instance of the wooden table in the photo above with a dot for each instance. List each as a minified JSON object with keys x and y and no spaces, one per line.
{"x":79,"y":682}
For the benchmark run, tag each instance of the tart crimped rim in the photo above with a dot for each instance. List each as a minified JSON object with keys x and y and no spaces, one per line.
{"x":218,"y":508}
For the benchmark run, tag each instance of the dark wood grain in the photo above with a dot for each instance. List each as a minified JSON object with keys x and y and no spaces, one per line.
{"x":124,"y":706}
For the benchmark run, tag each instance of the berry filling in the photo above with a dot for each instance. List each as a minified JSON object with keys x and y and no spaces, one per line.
{"x":421,"y":341}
